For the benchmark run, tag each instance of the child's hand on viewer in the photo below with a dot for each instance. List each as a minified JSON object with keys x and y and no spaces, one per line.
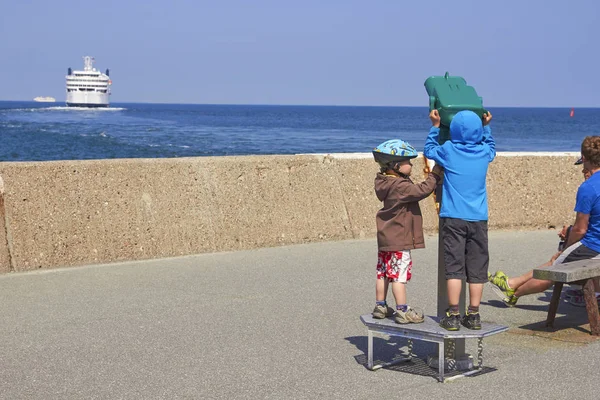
{"x":434,"y":116}
{"x":487,"y":117}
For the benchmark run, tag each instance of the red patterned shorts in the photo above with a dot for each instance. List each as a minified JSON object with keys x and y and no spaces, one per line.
{"x":396,"y":266}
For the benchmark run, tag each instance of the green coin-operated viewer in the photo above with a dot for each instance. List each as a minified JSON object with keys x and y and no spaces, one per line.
{"x":449,"y":95}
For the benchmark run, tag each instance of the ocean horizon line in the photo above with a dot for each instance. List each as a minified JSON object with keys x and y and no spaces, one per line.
{"x":304,"y":105}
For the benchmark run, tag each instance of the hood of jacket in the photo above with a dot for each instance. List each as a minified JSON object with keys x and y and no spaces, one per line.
{"x":383,"y":183}
{"x":466,"y":127}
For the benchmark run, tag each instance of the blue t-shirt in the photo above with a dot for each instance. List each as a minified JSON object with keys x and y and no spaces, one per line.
{"x":588,"y":202}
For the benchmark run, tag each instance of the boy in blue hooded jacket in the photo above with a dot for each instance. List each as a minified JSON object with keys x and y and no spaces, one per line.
{"x":464,"y":211}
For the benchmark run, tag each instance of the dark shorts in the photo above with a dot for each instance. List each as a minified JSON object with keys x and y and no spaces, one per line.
{"x":465,"y":249}
{"x":576,"y":252}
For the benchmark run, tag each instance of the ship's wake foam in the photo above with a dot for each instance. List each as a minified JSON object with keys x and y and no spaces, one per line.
{"x":65,"y":108}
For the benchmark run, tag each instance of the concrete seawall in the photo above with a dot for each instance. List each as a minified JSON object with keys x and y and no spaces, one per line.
{"x":70,"y":213}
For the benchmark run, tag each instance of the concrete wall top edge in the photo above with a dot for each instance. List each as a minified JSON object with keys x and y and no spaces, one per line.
{"x":499,"y":154}
{"x":349,"y":156}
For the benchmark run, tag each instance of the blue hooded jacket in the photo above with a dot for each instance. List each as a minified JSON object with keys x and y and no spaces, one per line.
{"x":465,"y":159}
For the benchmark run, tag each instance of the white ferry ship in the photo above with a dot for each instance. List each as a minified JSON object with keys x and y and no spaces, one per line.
{"x":88,"y":88}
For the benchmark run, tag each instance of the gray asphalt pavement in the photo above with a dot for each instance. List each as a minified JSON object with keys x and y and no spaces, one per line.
{"x":277,"y":323}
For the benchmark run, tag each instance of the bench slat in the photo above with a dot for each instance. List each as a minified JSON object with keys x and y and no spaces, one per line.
{"x":569,"y":272}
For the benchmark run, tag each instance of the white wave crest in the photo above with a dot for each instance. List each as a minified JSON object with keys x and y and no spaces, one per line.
{"x":65,"y":108}
{"x":94,"y":109}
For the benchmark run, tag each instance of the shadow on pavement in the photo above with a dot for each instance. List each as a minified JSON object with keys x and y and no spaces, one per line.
{"x":385,"y":350}
{"x":499,"y":304}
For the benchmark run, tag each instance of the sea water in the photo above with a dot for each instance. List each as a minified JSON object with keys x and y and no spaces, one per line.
{"x":32,"y":131}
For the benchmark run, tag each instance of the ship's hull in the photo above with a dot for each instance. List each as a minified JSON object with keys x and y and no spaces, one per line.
{"x":87,"y":99}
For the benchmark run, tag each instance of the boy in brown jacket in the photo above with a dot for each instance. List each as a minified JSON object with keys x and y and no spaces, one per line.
{"x":399,"y":225}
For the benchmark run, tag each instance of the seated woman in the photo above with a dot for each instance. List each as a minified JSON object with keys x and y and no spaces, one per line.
{"x":582,"y":243}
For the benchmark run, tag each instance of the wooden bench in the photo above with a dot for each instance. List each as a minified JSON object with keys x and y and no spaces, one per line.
{"x":577,"y":272}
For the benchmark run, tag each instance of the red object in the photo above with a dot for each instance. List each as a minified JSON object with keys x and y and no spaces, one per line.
{"x":572,"y":112}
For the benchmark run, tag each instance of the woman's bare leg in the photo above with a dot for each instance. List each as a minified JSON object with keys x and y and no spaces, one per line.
{"x":533,"y":286}
{"x":518,"y":281}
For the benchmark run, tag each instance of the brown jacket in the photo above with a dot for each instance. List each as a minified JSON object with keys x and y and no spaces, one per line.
{"x":400,"y":222}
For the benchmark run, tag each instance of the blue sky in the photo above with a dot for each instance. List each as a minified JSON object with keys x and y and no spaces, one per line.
{"x":515,"y":53}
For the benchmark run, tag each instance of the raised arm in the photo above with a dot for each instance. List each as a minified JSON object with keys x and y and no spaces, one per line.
{"x":488,"y":139}
{"x":489,"y":142}
{"x":433,"y":150}
{"x":410,"y":192}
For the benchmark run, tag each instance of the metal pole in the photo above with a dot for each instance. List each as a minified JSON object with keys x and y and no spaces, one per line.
{"x":442,"y":299}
